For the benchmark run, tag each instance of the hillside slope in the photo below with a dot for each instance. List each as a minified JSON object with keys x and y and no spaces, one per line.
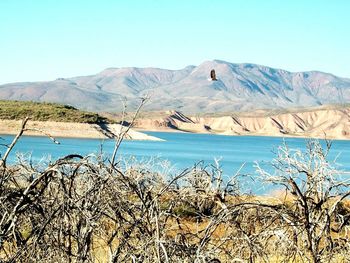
{"x":60,"y":121}
{"x":18,"y":110}
{"x":325,"y":122}
{"x":240,"y":87}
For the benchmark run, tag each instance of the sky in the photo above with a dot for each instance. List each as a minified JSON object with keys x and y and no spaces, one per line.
{"x":48,"y":39}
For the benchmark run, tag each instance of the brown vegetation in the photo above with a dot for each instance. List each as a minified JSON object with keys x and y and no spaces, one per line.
{"x":99,"y":209}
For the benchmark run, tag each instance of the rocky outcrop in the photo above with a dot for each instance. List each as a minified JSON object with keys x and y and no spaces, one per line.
{"x":322,"y":122}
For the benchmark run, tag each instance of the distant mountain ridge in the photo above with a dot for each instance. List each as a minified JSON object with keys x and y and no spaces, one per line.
{"x":240,"y":87}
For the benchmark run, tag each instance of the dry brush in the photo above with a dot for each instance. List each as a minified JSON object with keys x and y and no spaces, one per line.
{"x":100,"y":209}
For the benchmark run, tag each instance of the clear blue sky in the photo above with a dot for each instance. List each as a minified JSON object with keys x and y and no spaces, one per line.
{"x":47,"y":39}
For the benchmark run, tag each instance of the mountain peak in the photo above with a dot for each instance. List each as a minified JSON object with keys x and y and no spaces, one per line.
{"x":241,"y":86}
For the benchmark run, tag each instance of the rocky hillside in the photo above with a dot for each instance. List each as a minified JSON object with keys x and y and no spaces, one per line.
{"x":320,"y":122}
{"x":239,"y":87}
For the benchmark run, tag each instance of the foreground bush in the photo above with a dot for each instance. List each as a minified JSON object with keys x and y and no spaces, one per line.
{"x":93,"y":209}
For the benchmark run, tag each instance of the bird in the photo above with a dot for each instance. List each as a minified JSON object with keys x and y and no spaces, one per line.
{"x":213,"y":75}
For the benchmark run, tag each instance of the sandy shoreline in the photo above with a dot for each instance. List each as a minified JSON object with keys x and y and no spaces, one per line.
{"x":94,"y":131}
{"x":71,"y":130}
{"x":246,"y":134}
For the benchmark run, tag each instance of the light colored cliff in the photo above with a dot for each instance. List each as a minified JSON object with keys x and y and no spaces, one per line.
{"x":334,"y":123}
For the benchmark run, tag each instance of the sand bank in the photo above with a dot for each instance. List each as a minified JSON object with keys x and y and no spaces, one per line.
{"x":72,"y":130}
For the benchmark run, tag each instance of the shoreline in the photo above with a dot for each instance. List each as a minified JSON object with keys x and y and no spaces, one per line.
{"x":322,"y":123}
{"x":94,"y":131}
{"x":71,"y":130}
{"x":246,"y":134}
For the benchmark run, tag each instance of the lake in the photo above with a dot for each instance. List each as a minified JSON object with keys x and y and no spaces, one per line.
{"x":180,"y":150}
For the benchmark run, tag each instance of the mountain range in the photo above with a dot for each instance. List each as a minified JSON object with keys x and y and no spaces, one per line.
{"x":239,"y":87}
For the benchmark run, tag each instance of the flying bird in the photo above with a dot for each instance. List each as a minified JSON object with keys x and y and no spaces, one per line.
{"x":213,"y":75}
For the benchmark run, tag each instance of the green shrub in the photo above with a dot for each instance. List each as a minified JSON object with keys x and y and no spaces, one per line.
{"x":37,"y":111}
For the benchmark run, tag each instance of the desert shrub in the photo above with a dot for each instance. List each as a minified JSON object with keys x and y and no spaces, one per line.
{"x":98,"y":208}
{"x":40,"y":111}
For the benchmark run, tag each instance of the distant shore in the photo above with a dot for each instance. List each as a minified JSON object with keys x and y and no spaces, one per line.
{"x":95,"y":131}
{"x":280,"y":135}
{"x":71,"y":130}
{"x":327,"y":122}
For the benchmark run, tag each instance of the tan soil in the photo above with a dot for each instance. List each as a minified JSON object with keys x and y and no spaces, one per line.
{"x":316,"y":123}
{"x":66,"y":129}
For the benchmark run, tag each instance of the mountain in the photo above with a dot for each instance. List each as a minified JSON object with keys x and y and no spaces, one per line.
{"x":240,"y":87}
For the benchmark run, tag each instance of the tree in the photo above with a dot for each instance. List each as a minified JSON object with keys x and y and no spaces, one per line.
{"x":314,"y":219}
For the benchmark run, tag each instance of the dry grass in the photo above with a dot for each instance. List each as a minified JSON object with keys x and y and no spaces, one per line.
{"x":100,"y":209}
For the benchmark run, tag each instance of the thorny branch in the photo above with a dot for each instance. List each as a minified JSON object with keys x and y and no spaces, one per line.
{"x":80,"y":209}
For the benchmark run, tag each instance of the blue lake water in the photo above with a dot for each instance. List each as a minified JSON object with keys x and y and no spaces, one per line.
{"x":180,"y":149}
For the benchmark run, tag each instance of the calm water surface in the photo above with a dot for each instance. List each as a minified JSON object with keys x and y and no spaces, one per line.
{"x":180,"y":149}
